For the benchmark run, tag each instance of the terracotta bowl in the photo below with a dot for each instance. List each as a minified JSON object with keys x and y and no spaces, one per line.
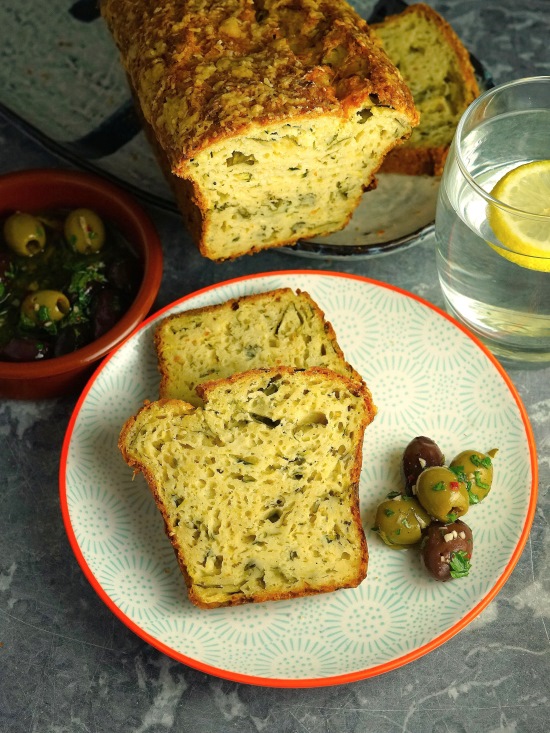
{"x":39,"y":190}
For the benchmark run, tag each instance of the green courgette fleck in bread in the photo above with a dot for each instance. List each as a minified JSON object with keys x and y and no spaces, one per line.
{"x":252,"y":332}
{"x":437,"y":68}
{"x":259,"y":488}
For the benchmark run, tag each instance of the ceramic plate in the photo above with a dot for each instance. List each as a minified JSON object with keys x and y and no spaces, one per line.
{"x":429,"y":377}
{"x":63,"y":84}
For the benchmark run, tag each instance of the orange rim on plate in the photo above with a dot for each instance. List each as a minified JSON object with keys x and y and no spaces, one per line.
{"x":317,"y":681}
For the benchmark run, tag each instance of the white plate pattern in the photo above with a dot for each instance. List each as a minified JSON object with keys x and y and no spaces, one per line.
{"x":428,"y":377}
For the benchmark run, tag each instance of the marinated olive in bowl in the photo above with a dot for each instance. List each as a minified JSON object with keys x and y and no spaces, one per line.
{"x":60,"y":284}
{"x":25,"y":372}
{"x":24,"y":234}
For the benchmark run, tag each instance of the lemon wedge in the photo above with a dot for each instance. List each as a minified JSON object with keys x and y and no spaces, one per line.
{"x":527,"y":188}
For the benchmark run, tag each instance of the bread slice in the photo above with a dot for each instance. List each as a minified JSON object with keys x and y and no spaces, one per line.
{"x":251,"y":332}
{"x":438,"y":70}
{"x":259,"y":489}
{"x":271,"y":118}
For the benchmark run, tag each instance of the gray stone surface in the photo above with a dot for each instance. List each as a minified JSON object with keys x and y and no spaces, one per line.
{"x":67,"y":665}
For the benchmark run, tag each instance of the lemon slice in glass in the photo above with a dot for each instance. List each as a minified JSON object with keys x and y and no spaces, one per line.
{"x":527,"y":188}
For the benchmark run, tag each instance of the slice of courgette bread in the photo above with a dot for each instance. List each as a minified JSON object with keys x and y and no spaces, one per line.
{"x":259,"y":488}
{"x":437,"y":67}
{"x":270,"y":117}
{"x":277,"y":327}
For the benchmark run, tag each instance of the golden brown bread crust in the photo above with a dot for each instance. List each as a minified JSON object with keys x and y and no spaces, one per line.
{"x":415,"y":161}
{"x":184,"y":191}
{"x":263,"y":299}
{"x":256,"y":73}
{"x":420,"y":160}
{"x":203,"y":71}
{"x":150,"y":478}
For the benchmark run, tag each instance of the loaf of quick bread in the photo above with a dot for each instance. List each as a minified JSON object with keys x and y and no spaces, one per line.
{"x":437,"y":68}
{"x":270,"y":118}
{"x":278,"y":327}
{"x":259,"y":488}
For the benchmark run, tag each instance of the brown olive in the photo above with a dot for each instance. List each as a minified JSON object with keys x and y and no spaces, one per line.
{"x":441,"y":495}
{"x":400,"y":521}
{"x":21,"y":348}
{"x":474,"y":471}
{"x":24,"y":234}
{"x":447,"y":549}
{"x":67,"y":340}
{"x":124,"y":274}
{"x":84,"y":231}
{"x":45,"y":306}
{"x":420,"y":453}
{"x":105,"y":311}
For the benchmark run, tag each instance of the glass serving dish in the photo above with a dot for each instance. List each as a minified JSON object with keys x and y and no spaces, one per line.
{"x":63,"y":85}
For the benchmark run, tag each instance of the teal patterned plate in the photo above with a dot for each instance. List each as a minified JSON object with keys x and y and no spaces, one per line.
{"x":429,"y":377}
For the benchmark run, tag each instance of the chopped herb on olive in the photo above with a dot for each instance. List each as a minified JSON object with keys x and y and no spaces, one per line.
{"x":473,"y":498}
{"x":441,"y":494}
{"x":460,"y":564}
{"x":84,"y":231}
{"x":400,"y":521}
{"x":474,"y":471}
{"x":447,"y":549}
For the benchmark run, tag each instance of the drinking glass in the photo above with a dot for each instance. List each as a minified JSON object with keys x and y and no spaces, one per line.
{"x":499,"y":290}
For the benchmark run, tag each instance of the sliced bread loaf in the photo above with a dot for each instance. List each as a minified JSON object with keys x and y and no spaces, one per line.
{"x":269,"y":118}
{"x":252,"y":332}
{"x":437,"y":68}
{"x":259,"y":488}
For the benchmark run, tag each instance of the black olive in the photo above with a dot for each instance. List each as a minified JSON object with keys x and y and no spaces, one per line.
{"x":67,"y":341}
{"x":4,"y":265}
{"x":447,"y":549}
{"x":124,"y":275}
{"x":5,"y":280}
{"x":21,"y":348}
{"x":420,"y":453}
{"x":105,"y":311}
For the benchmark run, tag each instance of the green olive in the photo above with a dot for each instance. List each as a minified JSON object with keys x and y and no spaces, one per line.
{"x":474,"y":471}
{"x":441,"y":494}
{"x":24,"y":234}
{"x":400,"y":521}
{"x":84,"y":231}
{"x":45,"y":306}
